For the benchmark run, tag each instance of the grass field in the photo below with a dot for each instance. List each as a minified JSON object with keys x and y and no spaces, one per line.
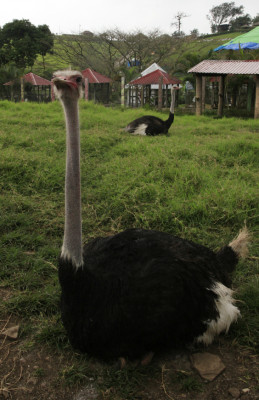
{"x":200,"y":182}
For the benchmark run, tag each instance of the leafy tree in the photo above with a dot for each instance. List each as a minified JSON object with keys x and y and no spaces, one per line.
{"x":256,"y":20}
{"x":111,"y":52}
{"x":21,"y":42}
{"x":194,"y":33}
{"x":223,"y":13}
{"x":45,"y":41}
{"x":237,"y":23}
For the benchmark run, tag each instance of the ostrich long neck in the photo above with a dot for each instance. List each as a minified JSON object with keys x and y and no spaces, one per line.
{"x":72,"y":243}
{"x":170,"y":119}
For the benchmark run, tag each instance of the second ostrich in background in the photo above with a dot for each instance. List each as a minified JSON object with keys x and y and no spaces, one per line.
{"x":138,"y":291}
{"x":150,"y":125}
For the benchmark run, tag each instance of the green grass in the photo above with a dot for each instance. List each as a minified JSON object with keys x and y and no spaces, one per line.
{"x":200,"y":182}
{"x":186,"y":381}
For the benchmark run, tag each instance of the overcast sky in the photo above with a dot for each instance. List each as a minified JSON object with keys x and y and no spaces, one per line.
{"x":73,"y":16}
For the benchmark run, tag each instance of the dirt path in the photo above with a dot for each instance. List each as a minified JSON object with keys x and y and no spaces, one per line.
{"x":29,"y":373}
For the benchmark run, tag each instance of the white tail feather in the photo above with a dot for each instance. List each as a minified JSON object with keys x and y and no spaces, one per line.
{"x":240,"y":243}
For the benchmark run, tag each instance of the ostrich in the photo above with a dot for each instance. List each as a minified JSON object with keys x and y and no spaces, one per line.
{"x":150,"y":125}
{"x":139,"y":291}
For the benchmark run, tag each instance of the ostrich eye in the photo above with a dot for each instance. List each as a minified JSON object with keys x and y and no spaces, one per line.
{"x":79,"y":79}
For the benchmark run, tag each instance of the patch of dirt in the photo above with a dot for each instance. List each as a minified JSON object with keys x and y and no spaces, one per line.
{"x":34,"y":374}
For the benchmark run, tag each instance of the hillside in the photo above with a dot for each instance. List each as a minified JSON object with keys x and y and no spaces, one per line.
{"x":199,"y":47}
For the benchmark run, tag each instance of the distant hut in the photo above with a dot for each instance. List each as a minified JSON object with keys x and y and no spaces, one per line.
{"x":220,"y":70}
{"x":152,"y":87}
{"x":32,"y":87}
{"x":97,"y":86}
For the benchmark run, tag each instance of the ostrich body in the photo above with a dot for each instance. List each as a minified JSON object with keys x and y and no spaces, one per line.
{"x":150,"y":125}
{"x":139,"y":290}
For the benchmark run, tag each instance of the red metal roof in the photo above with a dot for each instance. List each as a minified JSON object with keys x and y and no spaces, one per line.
{"x":154,"y":77}
{"x":95,"y":77}
{"x":34,"y":79}
{"x":225,"y":67}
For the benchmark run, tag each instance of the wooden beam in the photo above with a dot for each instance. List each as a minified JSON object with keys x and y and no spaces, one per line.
{"x":160,"y":93}
{"x":198,"y":97}
{"x":221,"y":95}
{"x":203,"y":92}
{"x":256,"y":113}
{"x":86,"y":89}
{"x":122,"y":91}
{"x":22,"y":89}
{"x":142,"y":95}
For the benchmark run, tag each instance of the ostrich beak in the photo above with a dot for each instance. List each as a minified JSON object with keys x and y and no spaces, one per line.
{"x":60,"y":81}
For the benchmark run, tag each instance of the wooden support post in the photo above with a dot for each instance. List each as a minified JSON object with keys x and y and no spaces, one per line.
{"x":86,"y":89}
{"x":166,"y":96}
{"x":52,"y":92}
{"x":160,"y":93}
{"x":22,"y":89}
{"x":108,"y":93}
{"x":221,"y":95}
{"x":203,"y":90}
{"x":123,"y":91}
{"x":198,"y":97}
{"x":142,"y":95}
{"x":94,"y":92}
{"x":256,"y":113}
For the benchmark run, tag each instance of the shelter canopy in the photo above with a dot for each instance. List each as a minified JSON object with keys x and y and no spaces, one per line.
{"x":222,"y":68}
{"x":95,"y":77}
{"x":249,"y":40}
{"x":33,"y":79}
{"x":226,"y":67}
{"x":154,"y":78}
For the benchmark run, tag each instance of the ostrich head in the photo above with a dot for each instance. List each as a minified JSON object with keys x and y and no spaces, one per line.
{"x":173,"y":89}
{"x":68,"y":84}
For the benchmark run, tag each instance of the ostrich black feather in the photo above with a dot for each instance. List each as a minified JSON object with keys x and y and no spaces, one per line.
{"x":139,"y":291}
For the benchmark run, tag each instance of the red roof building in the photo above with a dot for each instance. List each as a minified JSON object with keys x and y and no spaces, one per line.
{"x":39,"y":89}
{"x":32,"y":78}
{"x":98,"y":87}
{"x":95,"y":77}
{"x":154,"y":89}
{"x":154,"y":78}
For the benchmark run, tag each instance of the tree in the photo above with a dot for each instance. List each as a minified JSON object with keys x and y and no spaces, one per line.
{"x":194,"y":33}
{"x":256,"y":20}
{"x":114,"y":51}
{"x":237,"y":23}
{"x":45,"y":41}
{"x":178,"y":22}
{"x":21,"y":42}
{"x":224,"y":13}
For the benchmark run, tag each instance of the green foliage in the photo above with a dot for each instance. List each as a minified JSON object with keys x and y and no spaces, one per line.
{"x":223,"y":13}
{"x":21,"y":41}
{"x":52,"y":333}
{"x":77,"y":372}
{"x":124,"y":383}
{"x":186,"y":381}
